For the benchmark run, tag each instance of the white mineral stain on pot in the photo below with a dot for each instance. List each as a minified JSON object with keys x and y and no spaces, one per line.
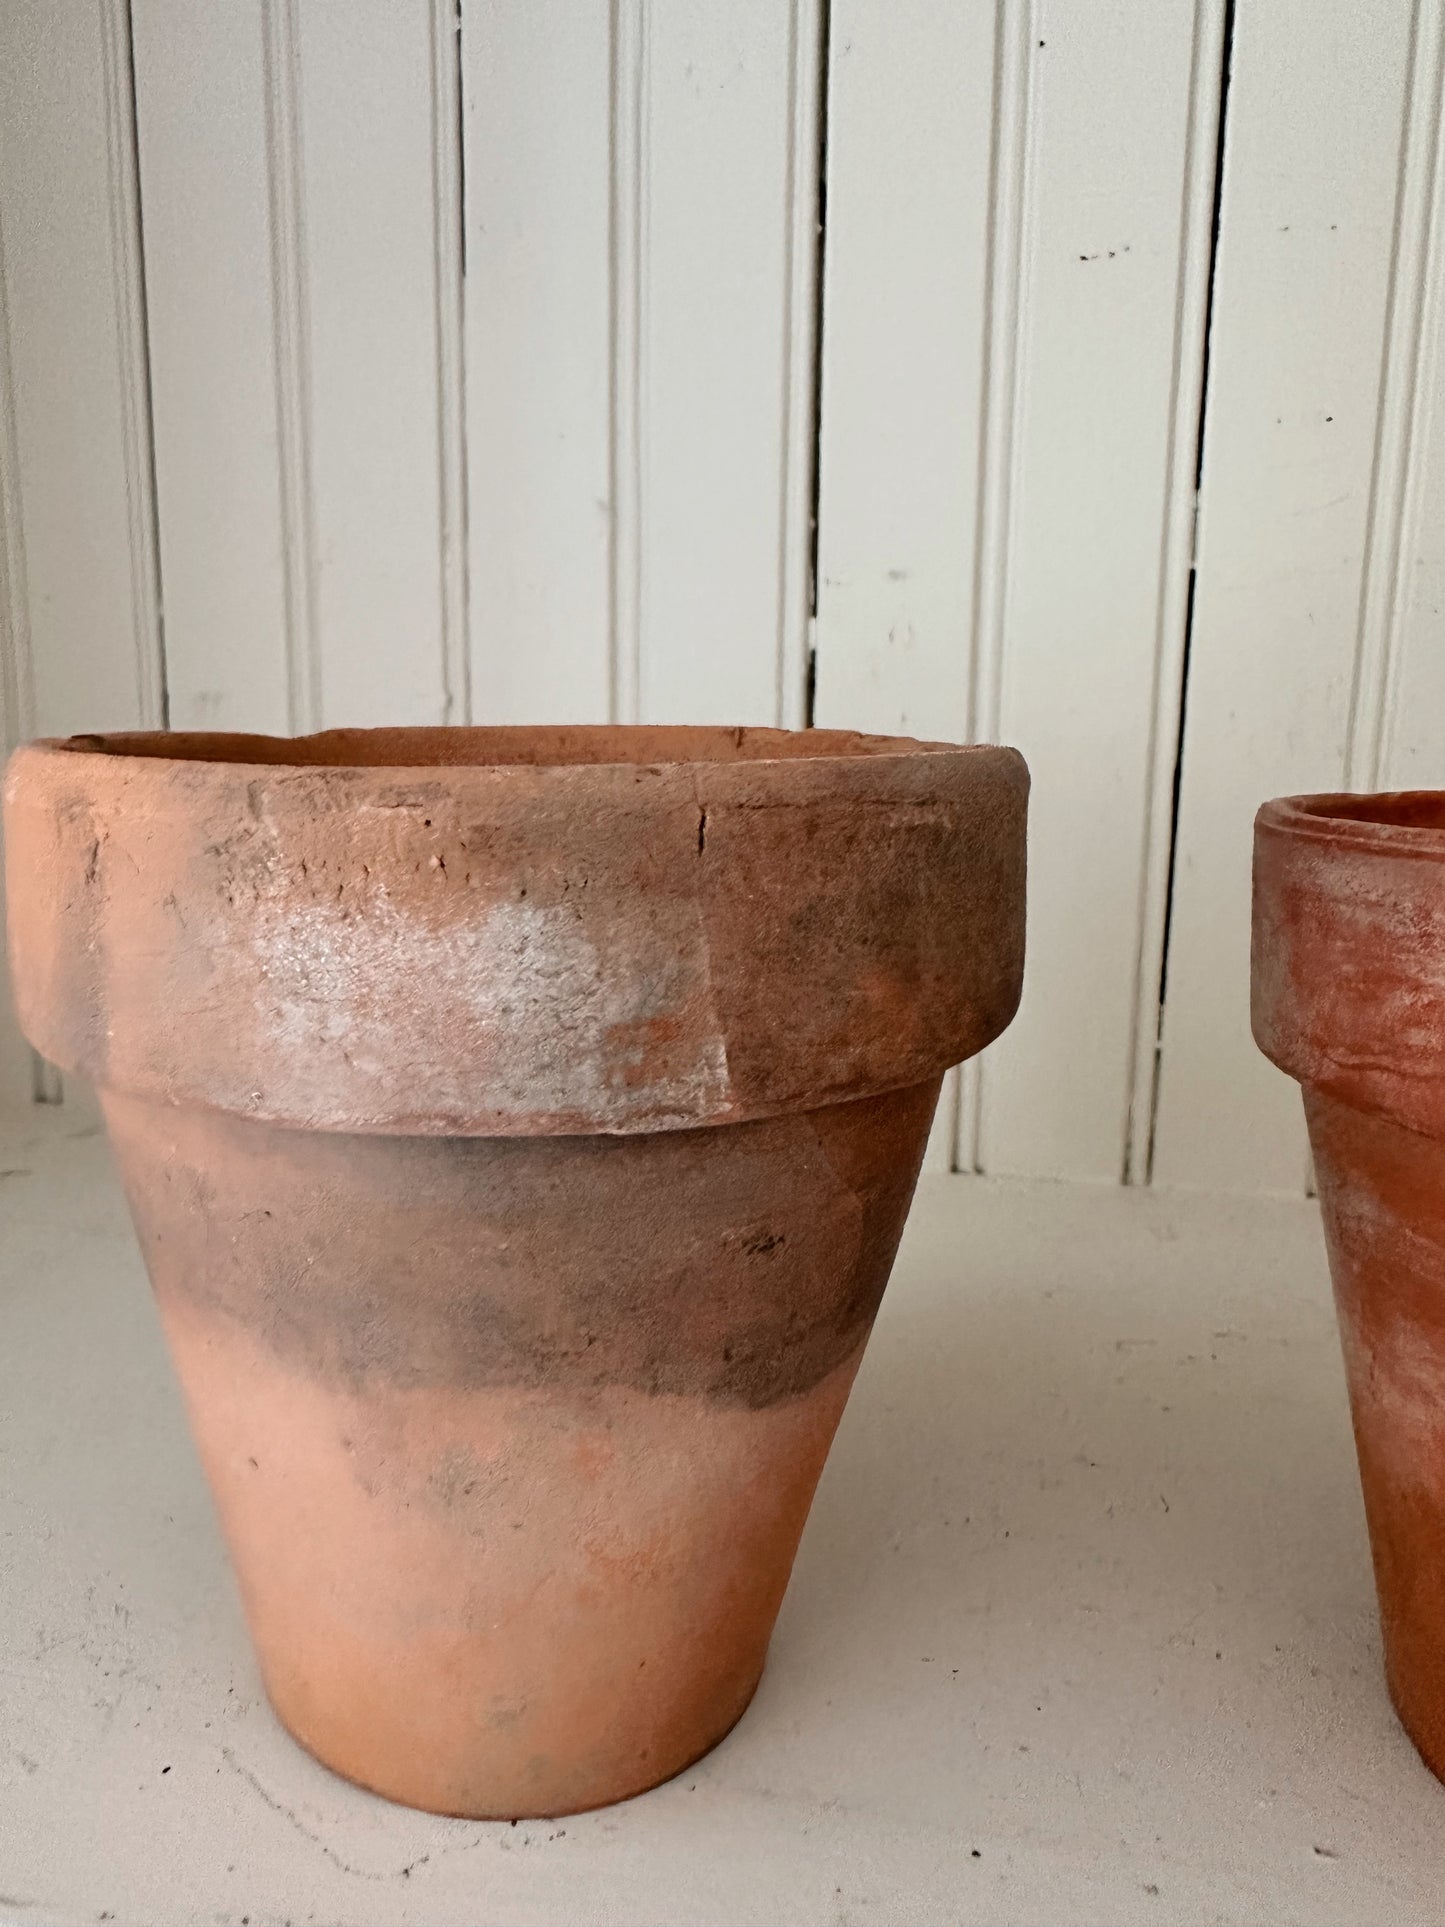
{"x":1395,"y":1365}
{"x":518,"y":986}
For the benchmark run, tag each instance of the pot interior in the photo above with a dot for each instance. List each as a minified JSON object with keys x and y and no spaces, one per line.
{"x":536,"y":747}
{"x":1399,"y":810}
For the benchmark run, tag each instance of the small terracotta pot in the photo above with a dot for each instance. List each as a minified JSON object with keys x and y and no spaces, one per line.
{"x":1349,"y":997}
{"x":519,"y":1126}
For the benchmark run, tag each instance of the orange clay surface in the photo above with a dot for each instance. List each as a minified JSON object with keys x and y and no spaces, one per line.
{"x":1349,"y":997}
{"x":519,"y":1127}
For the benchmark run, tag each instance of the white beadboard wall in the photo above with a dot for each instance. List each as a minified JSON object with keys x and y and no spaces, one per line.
{"x":868,"y":362}
{"x":1316,"y":443}
{"x":80,"y":633}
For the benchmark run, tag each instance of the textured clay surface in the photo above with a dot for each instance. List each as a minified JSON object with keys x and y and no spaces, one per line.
{"x":519,"y":1127}
{"x":511,"y":947}
{"x":513,"y":1439}
{"x":1349,"y":998}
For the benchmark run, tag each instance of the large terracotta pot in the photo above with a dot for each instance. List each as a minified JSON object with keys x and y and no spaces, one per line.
{"x":1349,"y":997}
{"x":519,"y":1126}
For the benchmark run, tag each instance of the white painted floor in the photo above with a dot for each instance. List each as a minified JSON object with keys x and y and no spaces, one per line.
{"x":1082,"y":1628}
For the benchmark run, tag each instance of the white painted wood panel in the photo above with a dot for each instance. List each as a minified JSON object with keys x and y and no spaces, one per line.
{"x":905,"y":326}
{"x":1412,"y":750}
{"x":17,"y":701}
{"x":79,"y":631}
{"x":1008,"y":358}
{"x":1111,"y":291}
{"x":77,"y":370}
{"x":298,"y":163}
{"x":1308,"y":219}
{"x":482,"y":354}
{"x":1398,"y":734}
{"x":719,"y":128}
{"x":238,"y":633}
{"x":639,"y":374}
{"x":378,"y":132}
{"x":905,"y":299}
{"x":538,"y":80}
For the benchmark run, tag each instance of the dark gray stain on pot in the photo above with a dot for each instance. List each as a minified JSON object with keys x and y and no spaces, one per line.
{"x":741,"y":1262}
{"x":910,"y":873}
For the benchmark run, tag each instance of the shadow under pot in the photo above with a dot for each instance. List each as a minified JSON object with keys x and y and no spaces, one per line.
{"x":1349,"y":998}
{"x":519,"y":1126}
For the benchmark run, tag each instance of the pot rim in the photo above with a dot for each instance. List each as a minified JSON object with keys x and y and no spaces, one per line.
{"x":1402,"y":822}
{"x":1348,"y":948}
{"x":718,"y":745}
{"x":515,"y":949}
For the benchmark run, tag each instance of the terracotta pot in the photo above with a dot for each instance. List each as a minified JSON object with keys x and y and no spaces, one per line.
{"x":519,"y":1126}
{"x":1349,"y":997}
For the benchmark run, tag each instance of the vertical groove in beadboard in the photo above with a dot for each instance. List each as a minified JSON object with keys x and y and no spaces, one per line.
{"x":1191,"y":321}
{"x":133,"y":356}
{"x":1417,"y":262}
{"x":17,"y":683}
{"x":17,"y":677}
{"x":628,"y":213}
{"x":285,"y":188}
{"x":1013,"y":80}
{"x":447,"y":219}
{"x":17,"y":680}
{"x":800,"y":358}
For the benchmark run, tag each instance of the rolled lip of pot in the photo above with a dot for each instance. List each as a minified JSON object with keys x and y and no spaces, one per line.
{"x":514,"y":931}
{"x":1348,"y":953}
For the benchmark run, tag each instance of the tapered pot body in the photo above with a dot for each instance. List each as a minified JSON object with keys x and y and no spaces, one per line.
{"x":1349,"y":998}
{"x":519,"y":1127}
